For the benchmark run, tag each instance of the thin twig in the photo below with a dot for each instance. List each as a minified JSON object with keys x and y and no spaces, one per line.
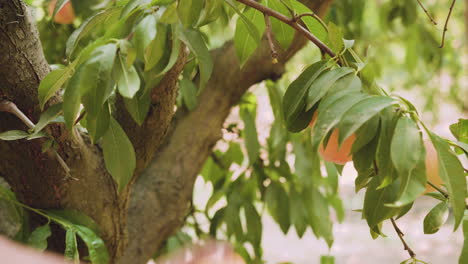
{"x":316,"y":18}
{"x":444,"y":193}
{"x":291,"y":22}
{"x":446,"y":23}
{"x":427,"y":13}
{"x":274,"y":52}
{"x":400,"y":235}
{"x":10,"y":107}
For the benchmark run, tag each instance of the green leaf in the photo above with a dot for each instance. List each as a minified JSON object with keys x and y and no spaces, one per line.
{"x":47,"y":117}
{"x":155,"y":51}
{"x":72,"y":100}
{"x":175,"y":49}
{"x":127,"y":79}
{"x":244,"y":42}
{"x":107,"y":16}
{"x":52,"y":83}
{"x":366,"y":133}
{"x":119,"y":155}
{"x":360,"y":113}
{"x":38,"y":238}
{"x":211,"y":12}
{"x":294,"y":98}
{"x":436,"y":218}
{"x":96,"y":84}
{"x":327,"y":260}
{"x":277,"y":202}
{"x":319,"y":215}
{"x":299,"y":217}
{"x":96,"y":247}
{"x":460,"y":130}
{"x":13,"y":135}
{"x":330,"y":112}
{"x":71,"y":246}
{"x":75,"y":217}
{"x":189,"y":93}
{"x":98,"y":125}
{"x":374,"y":210}
{"x":132,"y":5}
{"x":407,"y":146}
{"x":282,"y":32}
{"x":323,"y":84}
{"x":335,"y":35}
{"x":170,"y":15}
{"x":251,"y":28}
{"x":194,"y":40}
{"x":251,"y":137}
{"x":145,"y":31}
{"x":413,"y":184}
{"x":464,"y":254}
{"x":189,"y":12}
{"x":138,"y":107}
{"x":452,"y":174}
{"x":254,"y":224}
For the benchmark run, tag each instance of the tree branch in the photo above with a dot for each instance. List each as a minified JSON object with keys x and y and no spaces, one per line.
{"x":446,"y":23}
{"x":291,"y":22}
{"x":400,"y":235}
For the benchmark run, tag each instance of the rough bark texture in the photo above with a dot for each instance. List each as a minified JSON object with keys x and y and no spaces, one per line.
{"x":162,"y":193}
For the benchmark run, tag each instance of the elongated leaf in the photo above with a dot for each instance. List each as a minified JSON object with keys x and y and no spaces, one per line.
{"x":189,"y":12}
{"x":413,"y":184}
{"x":127,"y":79}
{"x":119,"y":155}
{"x":245,"y":43}
{"x":277,"y":202}
{"x":157,"y":47}
{"x":294,"y":98}
{"x":464,"y":255}
{"x":175,"y":50}
{"x":71,"y":246}
{"x":436,"y":218}
{"x":72,"y":100}
{"x":96,"y":247}
{"x":360,"y":113}
{"x":75,"y":217}
{"x":366,"y":133}
{"x":375,"y":199}
{"x":254,"y":224}
{"x":13,"y":135}
{"x":319,"y":215}
{"x":53,"y":82}
{"x":251,"y":137}
{"x":98,"y":125}
{"x":194,"y":40}
{"x":131,"y":5}
{"x":96,"y":84}
{"x":103,"y":17}
{"x":47,"y":117}
{"x":323,"y":84}
{"x":299,"y":217}
{"x":138,"y":107}
{"x":145,"y":31}
{"x":331,"y":111}
{"x":451,"y":172}
{"x":38,"y":238}
{"x":189,"y":93}
{"x":251,"y":28}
